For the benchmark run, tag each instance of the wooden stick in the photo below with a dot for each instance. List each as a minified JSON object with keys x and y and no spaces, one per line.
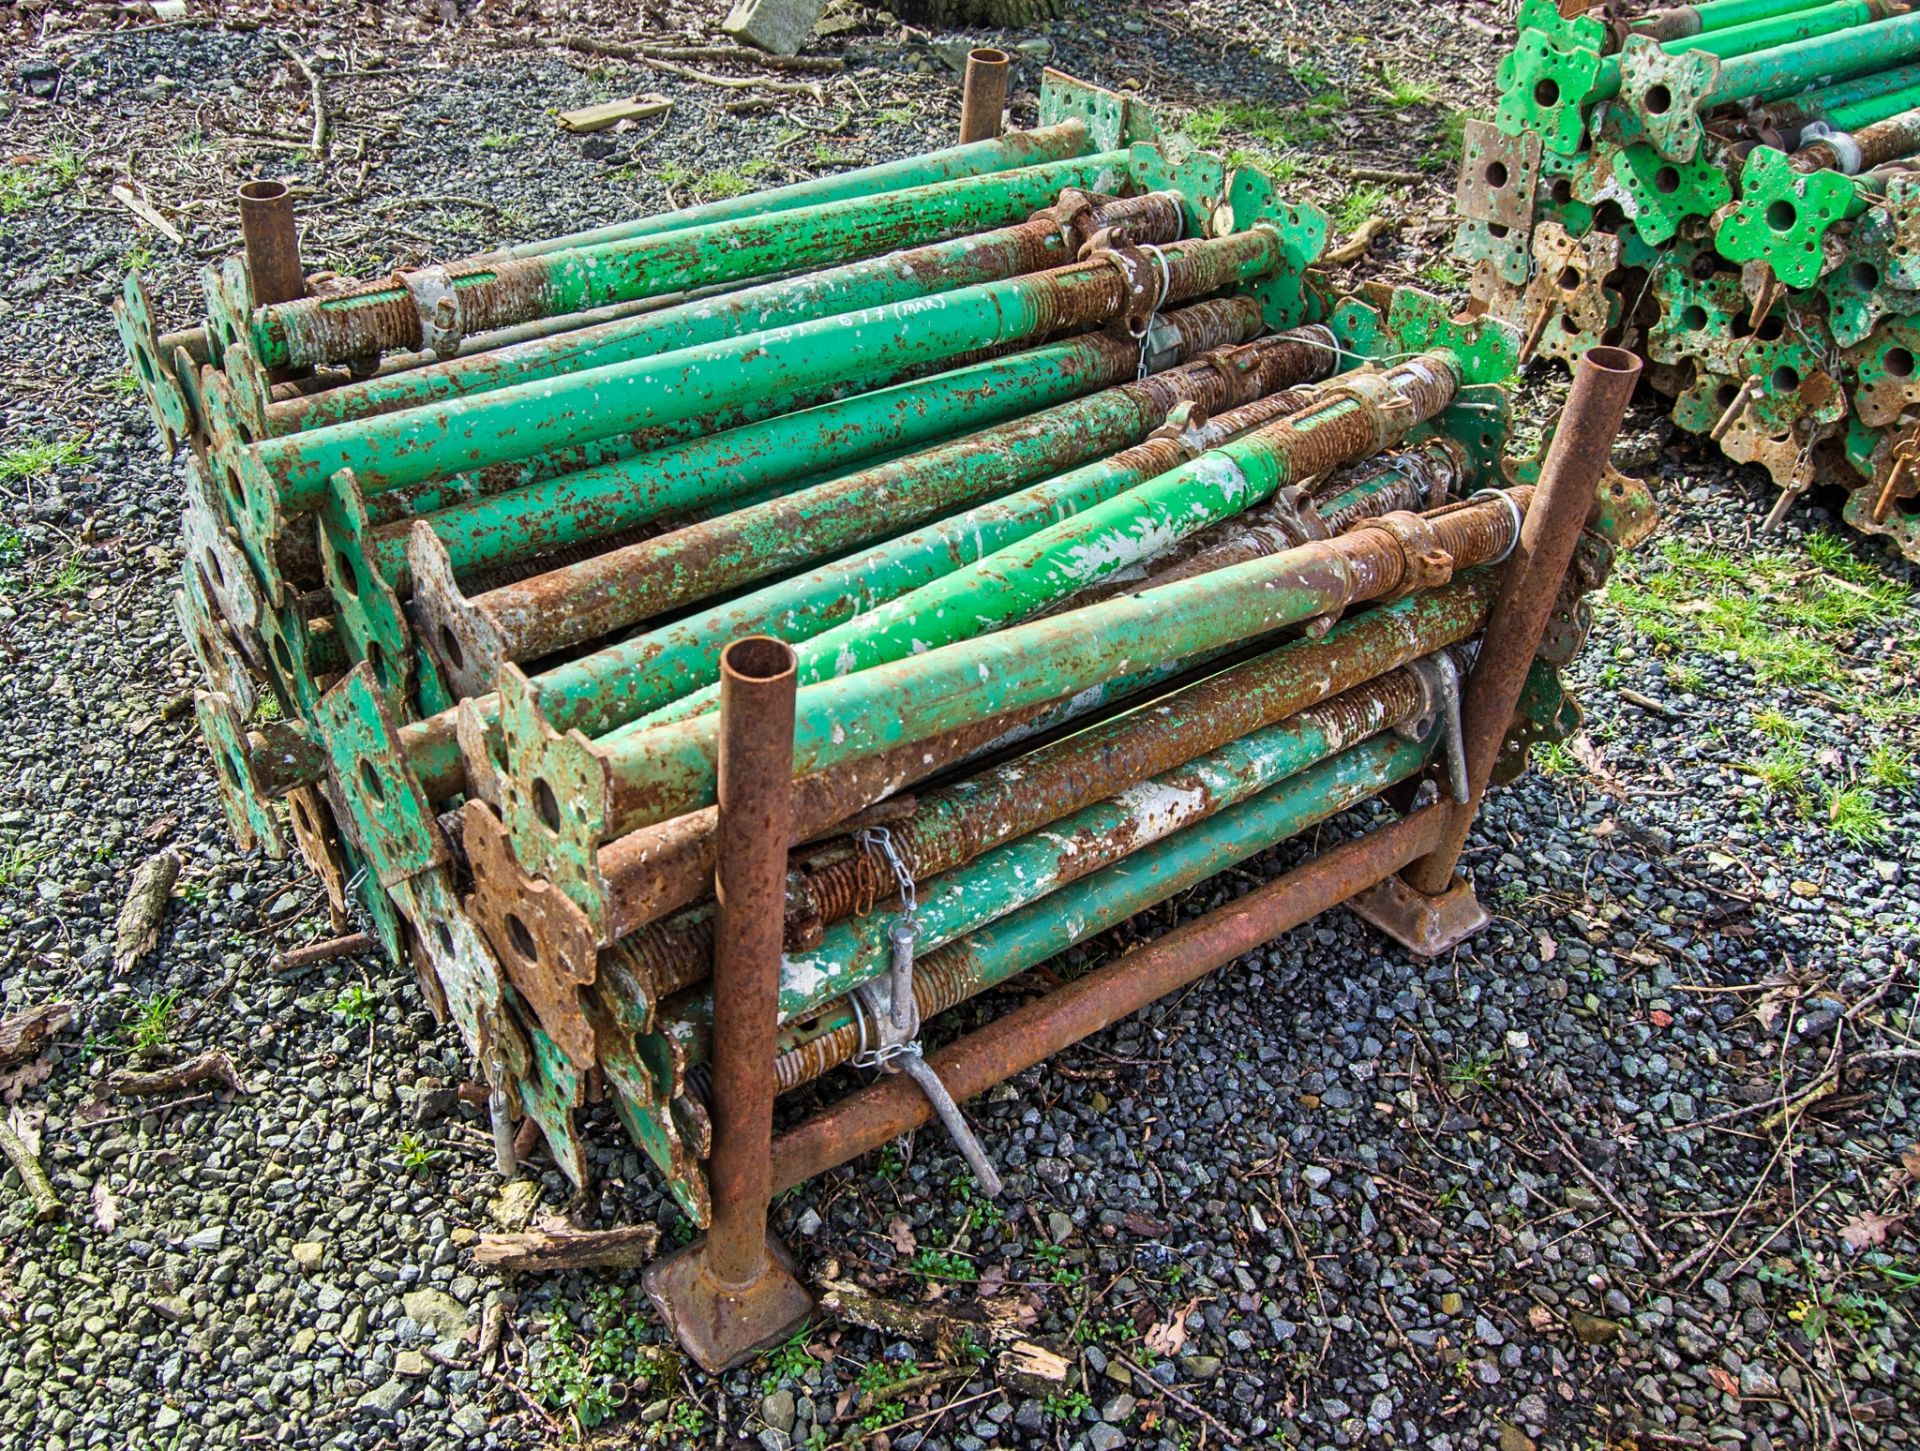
{"x":543,"y":1250}
{"x":46,"y":1204}
{"x":146,"y":212}
{"x":1573,"y":1157}
{"x":24,"y":1034}
{"x":1173,"y":1395}
{"x":215,"y":1066}
{"x":673,"y":68}
{"x":1355,"y":246}
{"x":722,"y":54}
{"x":321,"y":121}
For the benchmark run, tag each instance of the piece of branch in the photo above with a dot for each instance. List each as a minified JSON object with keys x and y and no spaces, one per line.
{"x":324,"y":950}
{"x":23,"y":1035}
{"x":1356,"y":246}
{"x":1150,"y":1386}
{"x":145,"y":212}
{"x":214,"y":1066}
{"x":1600,"y":1188}
{"x":46,"y":1204}
{"x":722,"y":54}
{"x":948,"y":1328}
{"x":321,"y":120}
{"x":608,"y":113}
{"x":545,"y":1250}
{"x":673,"y":68}
{"x":137,"y":929}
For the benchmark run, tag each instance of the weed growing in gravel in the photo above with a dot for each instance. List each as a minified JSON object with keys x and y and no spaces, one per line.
{"x":31,"y":460}
{"x":789,"y":1362}
{"x":888,"y":1165}
{"x":69,"y":579}
{"x":500,"y":140}
{"x":1853,"y":816}
{"x":1402,"y":92}
{"x":355,"y":1004}
{"x":1068,"y":1405}
{"x":1476,"y":1071}
{"x":586,"y":1378}
{"x":1891,"y":767}
{"x":937,"y":1264}
{"x":878,"y":1381}
{"x":894,"y":116}
{"x":1265,"y":134}
{"x":416,"y":1155}
{"x":1775,"y":726}
{"x":1443,"y":274}
{"x":1445,"y":152}
{"x":1782,"y":616}
{"x":1360,"y":204}
{"x":1783,"y":771}
{"x":1686,"y":679}
{"x":18,"y":863}
{"x":1556,"y":758}
{"x":152,"y":1021}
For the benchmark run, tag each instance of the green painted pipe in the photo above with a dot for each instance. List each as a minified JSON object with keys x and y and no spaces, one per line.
{"x":1738,"y":40}
{"x":360,"y":321}
{"x":655,"y":774}
{"x":595,"y":598}
{"x":825,"y":439}
{"x":462,"y":434}
{"x":1032,"y":933}
{"x":1031,"y":246}
{"x":1879,"y":108}
{"x":1009,"y":877}
{"x":1138,"y":524}
{"x":1016,"y":149}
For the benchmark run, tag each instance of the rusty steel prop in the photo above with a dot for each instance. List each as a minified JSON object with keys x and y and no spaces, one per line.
{"x":983,"y":97}
{"x":734,"y":1292}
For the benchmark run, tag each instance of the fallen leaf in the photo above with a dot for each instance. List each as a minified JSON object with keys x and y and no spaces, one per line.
{"x":1168,"y":1337}
{"x":1723,"y":1378}
{"x":1910,"y":1161}
{"x":993,"y":1279}
{"x":901,"y":1233}
{"x":1660,"y":1018}
{"x":1864,"y":1231}
{"x":1589,"y":756}
{"x":1604,"y":829}
{"x":1540,"y":1317}
{"x":1549,"y":949}
{"x":106,"y":1209}
{"x":25,"y":1123}
{"x":27,"y":1075}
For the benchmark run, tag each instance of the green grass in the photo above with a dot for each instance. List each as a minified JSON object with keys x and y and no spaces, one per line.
{"x":1686,"y":679}
{"x":894,"y":116}
{"x":1854,"y":816}
{"x":31,"y":460}
{"x":1444,"y":154}
{"x":1555,"y":758}
{"x":1402,"y":92}
{"x":1891,"y":767}
{"x":1358,"y":205}
{"x":151,"y":1022}
{"x":1775,"y":726}
{"x":1444,"y":275}
{"x":18,"y":863}
{"x":1477,"y":1071}
{"x":500,"y":140}
{"x":1783,"y":771}
{"x":23,"y":184}
{"x":1260,"y":135}
{"x":1780,"y":615}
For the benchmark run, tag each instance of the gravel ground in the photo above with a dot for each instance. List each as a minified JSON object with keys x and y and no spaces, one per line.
{"x":1592,"y":1181}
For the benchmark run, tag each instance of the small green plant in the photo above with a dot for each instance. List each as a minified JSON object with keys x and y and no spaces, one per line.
{"x":1476,"y":1071}
{"x":878,"y":1381}
{"x":788,"y":1362}
{"x":1772,"y":724}
{"x":1686,"y":679}
{"x":1443,"y":274}
{"x":1556,"y":758}
{"x":355,"y":1005}
{"x":1360,"y":204}
{"x":124,"y":385}
{"x":586,"y":1378}
{"x":1403,"y":92}
{"x":1891,"y":767}
{"x":500,"y":140}
{"x":976,"y":1212}
{"x":889,"y":1165}
{"x":894,"y":116}
{"x":1783,"y":770}
{"x":31,"y":460}
{"x":151,"y":1023}
{"x":940,"y":1265}
{"x":1831,"y":552}
{"x":1853,"y":815}
{"x":19,"y":861}
{"x":1445,"y":152}
{"x":69,"y":579}
{"x":1068,"y":1405}
{"x":416,"y":1156}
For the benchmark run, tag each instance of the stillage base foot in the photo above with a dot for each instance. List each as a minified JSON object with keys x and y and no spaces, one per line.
{"x":719,"y":1325}
{"x":1425,"y":926}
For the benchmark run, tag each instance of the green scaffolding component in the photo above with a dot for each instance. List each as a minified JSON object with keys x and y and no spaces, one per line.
{"x":1783,"y":215}
{"x":1060,"y":142}
{"x":1668,"y":91}
{"x":1549,"y":88}
{"x":339,"y":326}
{"x":461,"y":434}
{"x":1658,"y":194}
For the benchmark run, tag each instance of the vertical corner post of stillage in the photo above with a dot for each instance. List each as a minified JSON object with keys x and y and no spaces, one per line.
{"x":1430,"y":907}
{"x":735,"y":1291}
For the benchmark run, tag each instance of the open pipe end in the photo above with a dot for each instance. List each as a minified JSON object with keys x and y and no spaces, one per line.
{"x":1617,"y":361}
{"x":758,"y":659}
{"x":263,"y":191}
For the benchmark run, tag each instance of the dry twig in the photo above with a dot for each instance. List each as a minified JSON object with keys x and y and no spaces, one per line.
{"x":46,"y":1203}
{"x":540,"y":1250}
{"x":214,"y":1066}
{"x":322,"y":122}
